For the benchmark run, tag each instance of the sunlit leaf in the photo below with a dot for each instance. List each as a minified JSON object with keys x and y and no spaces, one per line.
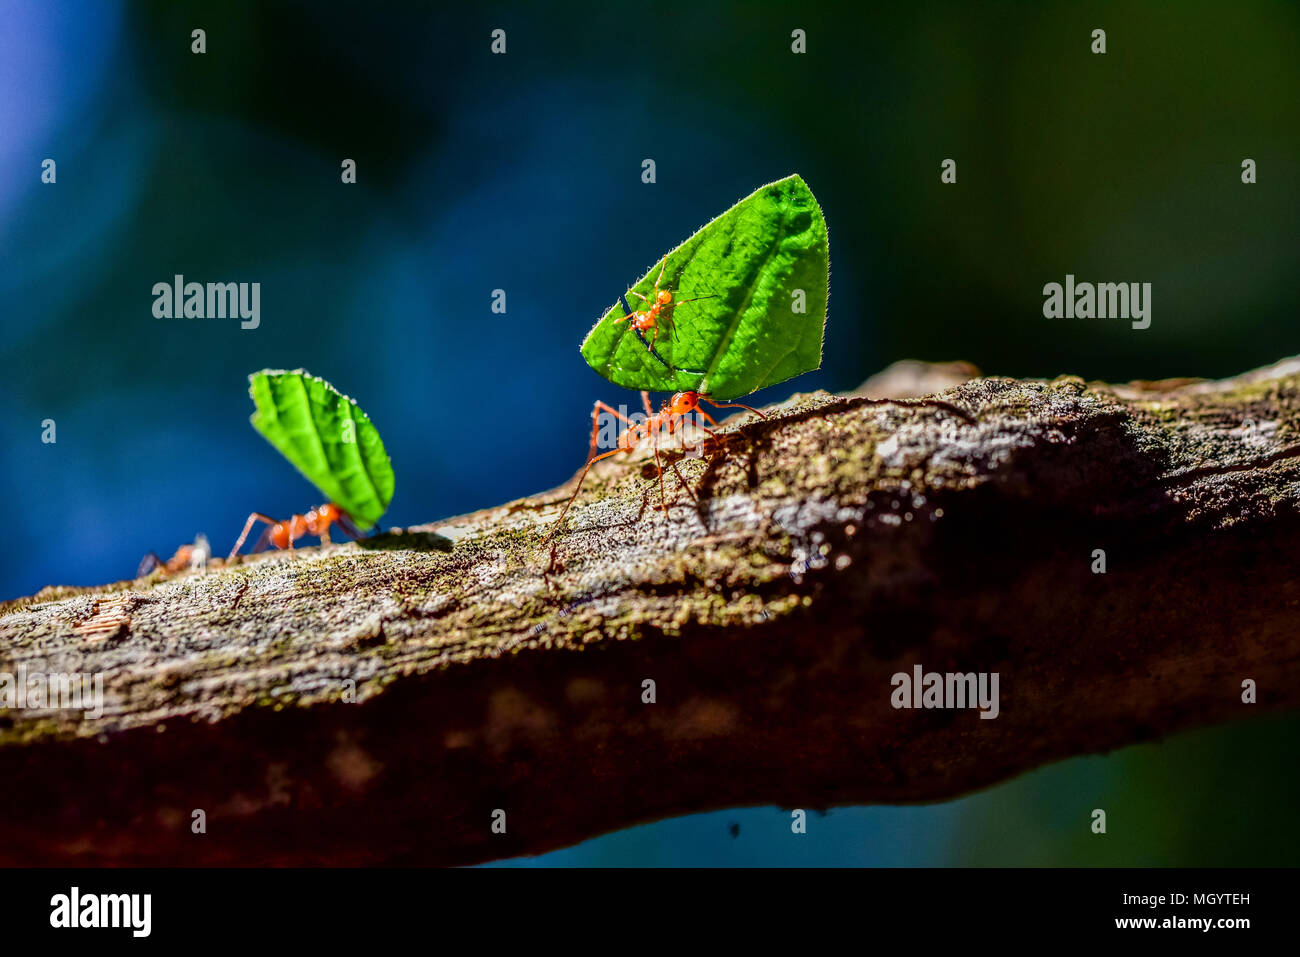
{"x":762,"y":261}
{"x":327,"y":437}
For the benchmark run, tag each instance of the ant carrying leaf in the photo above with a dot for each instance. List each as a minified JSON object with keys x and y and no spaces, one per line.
{"x":332,"y":443}
{"x":765,"y":264}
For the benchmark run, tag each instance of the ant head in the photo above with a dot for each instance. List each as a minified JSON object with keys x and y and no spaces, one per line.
{"x":330,"y":512}
{"x":684,"y":402}
{"x":664,"y":297}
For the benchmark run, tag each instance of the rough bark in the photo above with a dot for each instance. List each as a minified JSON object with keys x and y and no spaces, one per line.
{"x":838,"y":542}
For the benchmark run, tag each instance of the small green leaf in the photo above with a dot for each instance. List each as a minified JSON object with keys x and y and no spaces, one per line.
{"x":753,"y":259}
{"x":327,"y":437}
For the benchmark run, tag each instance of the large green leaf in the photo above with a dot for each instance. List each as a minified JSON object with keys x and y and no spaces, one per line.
{"x":753,"y":259}
{"x":327,"y":437}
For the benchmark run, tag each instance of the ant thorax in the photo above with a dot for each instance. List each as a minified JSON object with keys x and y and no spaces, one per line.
{"x":625,"y":430}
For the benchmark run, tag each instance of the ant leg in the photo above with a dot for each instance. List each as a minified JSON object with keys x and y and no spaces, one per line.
{"x":645,"y":401}
{"x":734,"y":405}
{"x":672,"y":422}
{"x":248,"y":527}
{"x":662,"y":266}
{"x":630,"y":315}
{"x":659,"y":468}
{"x":699,"y":411}
{"x":716,"y":439}
{"x":592,"y":457}
{"x":681,"y":479}
{"x":262,"y":542}
{"x":606,"y":407}
{"x":565,"y":511}
{"x":296,"y":528}
{"x":596,"y":409}
{"x":650,"y":346}
{"x":713,"y":436}
{"x":680,"y":302}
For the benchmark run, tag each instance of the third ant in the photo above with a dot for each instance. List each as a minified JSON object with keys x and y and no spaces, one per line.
{"x":660,"y":306}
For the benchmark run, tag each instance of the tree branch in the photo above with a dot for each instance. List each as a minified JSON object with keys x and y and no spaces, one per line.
{"x":838,"y":542}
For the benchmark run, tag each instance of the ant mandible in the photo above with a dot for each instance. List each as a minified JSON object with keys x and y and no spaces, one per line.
{"x":660,"y":305}
{"x":316,"y":522}
{"x":670,"y":416}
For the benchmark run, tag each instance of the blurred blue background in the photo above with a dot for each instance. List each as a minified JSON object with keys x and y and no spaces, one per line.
{"x":523,"y":172}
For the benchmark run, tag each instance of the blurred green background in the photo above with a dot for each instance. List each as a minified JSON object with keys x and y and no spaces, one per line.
{"x":522,"y":172}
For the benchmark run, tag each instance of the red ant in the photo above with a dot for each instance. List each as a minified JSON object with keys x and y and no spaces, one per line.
{"x":670,"y":416}
{"x":660,"y":304}
{"x":316,"y":522}
{"x":187,"y":556}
